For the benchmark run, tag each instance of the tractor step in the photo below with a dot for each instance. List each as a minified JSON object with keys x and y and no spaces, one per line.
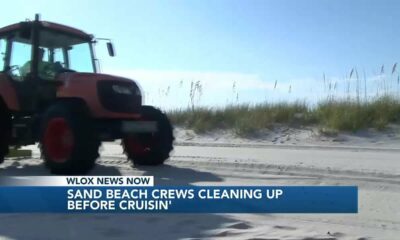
{"x":19,"y":153}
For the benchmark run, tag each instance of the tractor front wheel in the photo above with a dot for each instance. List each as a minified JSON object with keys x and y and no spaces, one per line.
{"x":68,"y":142}
{"x":150,"y":148}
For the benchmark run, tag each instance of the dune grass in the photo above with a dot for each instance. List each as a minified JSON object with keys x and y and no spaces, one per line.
{"x":352,"y":116}
{"x":336,"y":115}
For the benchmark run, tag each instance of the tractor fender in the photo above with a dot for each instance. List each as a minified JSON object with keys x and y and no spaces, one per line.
{"x":7,"y":93}
{"x":79,"y":102}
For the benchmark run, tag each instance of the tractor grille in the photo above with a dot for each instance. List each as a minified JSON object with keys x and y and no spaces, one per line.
{"x":118,"y":96}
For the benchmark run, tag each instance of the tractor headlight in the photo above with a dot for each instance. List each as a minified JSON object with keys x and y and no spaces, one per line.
{"x":119,"y":96}
{"x":122,"y":89}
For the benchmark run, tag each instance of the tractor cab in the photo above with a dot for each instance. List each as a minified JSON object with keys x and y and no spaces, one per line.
{"x":35,"y":53}
{"x":36,"y":50}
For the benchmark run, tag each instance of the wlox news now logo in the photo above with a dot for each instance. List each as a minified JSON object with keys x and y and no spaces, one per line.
{"x":139,"y":181}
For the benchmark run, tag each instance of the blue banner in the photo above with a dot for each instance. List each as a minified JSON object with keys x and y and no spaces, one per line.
{"x":188,"y":199}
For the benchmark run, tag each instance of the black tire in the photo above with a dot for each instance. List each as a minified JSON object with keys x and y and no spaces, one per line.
{"x":81,"y":154}
{"x":158,"y":145}
{"x":5,"y":131}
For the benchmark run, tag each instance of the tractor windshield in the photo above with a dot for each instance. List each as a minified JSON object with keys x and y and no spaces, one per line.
{"x":67,"y":51}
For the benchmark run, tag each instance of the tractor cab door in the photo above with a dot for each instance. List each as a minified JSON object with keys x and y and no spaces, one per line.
{"x":34,"y":88}
{"x":18,"y":61}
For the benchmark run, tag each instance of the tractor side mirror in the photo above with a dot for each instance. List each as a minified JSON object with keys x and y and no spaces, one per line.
{"x":110,"y":48}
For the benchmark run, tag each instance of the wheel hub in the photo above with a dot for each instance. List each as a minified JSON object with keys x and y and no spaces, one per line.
{"x":58,"y":140}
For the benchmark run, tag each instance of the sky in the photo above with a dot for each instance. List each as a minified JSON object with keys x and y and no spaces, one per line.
{"x":238,"y":51}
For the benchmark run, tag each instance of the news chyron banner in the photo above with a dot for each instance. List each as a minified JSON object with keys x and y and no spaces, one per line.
{"x":138,"y":194}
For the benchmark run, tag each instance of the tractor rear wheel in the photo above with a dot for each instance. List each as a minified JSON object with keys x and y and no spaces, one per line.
{"x":5,"y":131}
{"x":150,"y":148}
{"x":68,"y":141}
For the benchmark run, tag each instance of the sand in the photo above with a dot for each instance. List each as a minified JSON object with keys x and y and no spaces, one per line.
{"x":284,"y":156}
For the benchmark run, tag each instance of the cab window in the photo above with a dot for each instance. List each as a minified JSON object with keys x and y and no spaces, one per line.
{"x":20,"y":61}
{"x":2,"y":53}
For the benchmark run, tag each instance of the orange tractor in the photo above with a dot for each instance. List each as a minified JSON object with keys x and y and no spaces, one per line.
{"x":51,"y":93}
